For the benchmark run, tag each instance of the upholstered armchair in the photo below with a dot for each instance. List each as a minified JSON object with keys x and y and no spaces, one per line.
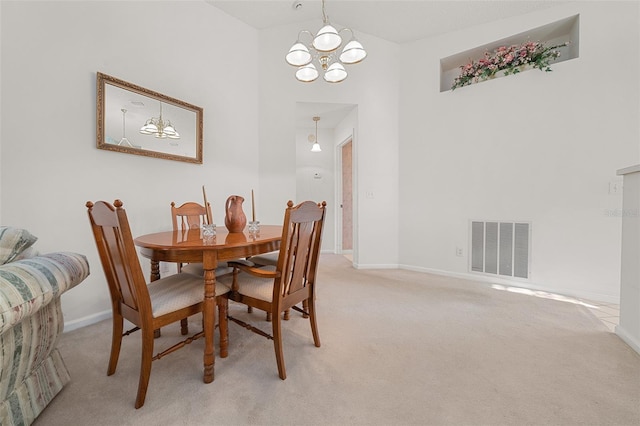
{"x":32,"y":371}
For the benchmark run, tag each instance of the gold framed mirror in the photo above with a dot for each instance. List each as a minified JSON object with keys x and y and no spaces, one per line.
{"x":135,"y":120}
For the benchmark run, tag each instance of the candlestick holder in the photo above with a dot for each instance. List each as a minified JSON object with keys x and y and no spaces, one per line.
{"x":208,"y":230}
{"x":209,"y":233}
{"x":254,"y":226}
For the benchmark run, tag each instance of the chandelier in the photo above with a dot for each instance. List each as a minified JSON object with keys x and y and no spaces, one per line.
{"x":323,"y":50}
{"x":314,"y":140}
{"x":157,"y":127}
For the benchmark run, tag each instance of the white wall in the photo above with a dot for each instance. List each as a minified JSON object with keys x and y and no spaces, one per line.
{"x":539,"y":147}
{"x":445,"y":151}
{"x":315,"y":177}
{"x":51,"y":52}
{"x":372,"y":85}
{"x":629,"y":326}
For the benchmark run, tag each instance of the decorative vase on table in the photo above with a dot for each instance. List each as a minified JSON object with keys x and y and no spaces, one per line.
{"x":234,"y":219}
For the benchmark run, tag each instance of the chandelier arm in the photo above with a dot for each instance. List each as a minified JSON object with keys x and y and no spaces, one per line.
{"x":310,"y":35}
{"x":353,"y":34}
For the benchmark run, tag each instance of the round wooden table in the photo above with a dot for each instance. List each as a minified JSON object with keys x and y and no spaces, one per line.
{"x":190,"y":247}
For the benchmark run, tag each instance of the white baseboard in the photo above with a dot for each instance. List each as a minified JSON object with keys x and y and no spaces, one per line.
{"x":376,"y":266}
{"x":88,"y":320}
{"x":497,"y":280}
{"x":516,"y":283}
{"x":628,"y":338}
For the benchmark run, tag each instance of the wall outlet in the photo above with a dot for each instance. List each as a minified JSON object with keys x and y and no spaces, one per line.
{"x":459,"y":252}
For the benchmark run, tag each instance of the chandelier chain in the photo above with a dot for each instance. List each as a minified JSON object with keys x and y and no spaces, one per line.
{"x":325,"y":18}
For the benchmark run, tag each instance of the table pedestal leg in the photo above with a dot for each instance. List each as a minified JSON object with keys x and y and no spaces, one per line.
{"x":155,"y":270}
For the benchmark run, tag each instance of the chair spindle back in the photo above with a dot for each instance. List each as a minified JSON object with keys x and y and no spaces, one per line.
{"x":299,"y":250}
{"x":118,"y":255}
{"x":189,"y":215}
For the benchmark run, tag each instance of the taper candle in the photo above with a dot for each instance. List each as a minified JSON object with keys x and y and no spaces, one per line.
{"x":253,"y":207}
{"x":206,"y":207}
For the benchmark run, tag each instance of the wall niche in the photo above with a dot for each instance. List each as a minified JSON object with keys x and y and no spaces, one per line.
{"x":558,"y":32}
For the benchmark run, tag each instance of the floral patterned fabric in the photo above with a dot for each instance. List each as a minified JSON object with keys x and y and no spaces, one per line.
{"x":32,"y":371}
{"x":14,"y":241}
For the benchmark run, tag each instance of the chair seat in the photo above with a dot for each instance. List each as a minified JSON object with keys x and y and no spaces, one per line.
{"x":265,"y":259}
{"x":197,"y":269}
{"x":248,"y":285}
{"x":179,"y":291}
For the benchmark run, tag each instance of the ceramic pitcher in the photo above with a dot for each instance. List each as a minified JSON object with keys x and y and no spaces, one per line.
{"x":234,"y":219}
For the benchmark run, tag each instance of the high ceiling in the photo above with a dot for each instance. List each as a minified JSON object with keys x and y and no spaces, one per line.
{"x":397,"y":21}
{"x":394,"y":20}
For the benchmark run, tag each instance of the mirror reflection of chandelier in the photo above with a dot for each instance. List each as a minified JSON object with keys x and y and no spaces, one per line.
{"x":124,"y":141}
{"x":323,"y":49}
{"x":157,"y":127}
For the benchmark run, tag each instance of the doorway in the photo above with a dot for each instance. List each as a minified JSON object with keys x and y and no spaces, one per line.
{"x":346,"y":203}
{"x":319,"y":174}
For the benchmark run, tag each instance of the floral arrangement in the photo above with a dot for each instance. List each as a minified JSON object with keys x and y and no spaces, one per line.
{"x":509,"y":59}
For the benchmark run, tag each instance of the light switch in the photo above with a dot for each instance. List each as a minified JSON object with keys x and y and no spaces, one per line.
{"x":615,"y":187}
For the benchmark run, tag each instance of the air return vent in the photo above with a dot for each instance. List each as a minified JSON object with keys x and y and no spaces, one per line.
{"x":500,"y":248}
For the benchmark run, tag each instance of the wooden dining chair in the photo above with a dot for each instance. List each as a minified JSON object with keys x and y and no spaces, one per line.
{"x":191,"y":216}
{"x":291,"y":282}
{"x":148,"y":307}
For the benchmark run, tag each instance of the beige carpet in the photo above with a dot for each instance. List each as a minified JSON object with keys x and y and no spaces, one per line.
{"x":398,"y":348}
